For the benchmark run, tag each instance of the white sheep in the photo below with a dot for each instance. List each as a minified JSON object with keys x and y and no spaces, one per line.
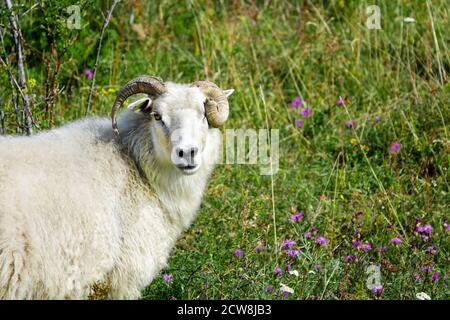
{"x":83,"y":208}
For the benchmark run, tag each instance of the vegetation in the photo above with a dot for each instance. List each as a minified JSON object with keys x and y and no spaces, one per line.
{"x":367,"y":165}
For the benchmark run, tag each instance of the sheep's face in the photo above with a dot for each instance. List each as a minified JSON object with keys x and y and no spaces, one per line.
{"x":179,"y":128}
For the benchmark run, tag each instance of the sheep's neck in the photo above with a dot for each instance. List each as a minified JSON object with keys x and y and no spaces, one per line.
{"x":180,"y":195}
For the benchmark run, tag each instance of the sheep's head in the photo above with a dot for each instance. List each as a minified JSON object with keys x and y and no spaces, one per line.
{"x":179,"y":117}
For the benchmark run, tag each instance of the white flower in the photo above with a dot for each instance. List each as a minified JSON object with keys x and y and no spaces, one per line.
{"x":409,"y":20}
{"x":422,"y":296}
{"x":285,"y":288}
{"x":294,"y":272}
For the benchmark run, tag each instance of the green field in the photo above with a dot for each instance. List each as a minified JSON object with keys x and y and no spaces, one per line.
{"x":338,"y":168}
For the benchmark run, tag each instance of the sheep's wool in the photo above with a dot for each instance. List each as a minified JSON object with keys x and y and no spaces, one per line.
{"x":77,"y":212}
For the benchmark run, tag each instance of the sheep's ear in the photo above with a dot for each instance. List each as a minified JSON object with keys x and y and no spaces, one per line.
{"x":141,"y":105}
{"x":228,"y":92}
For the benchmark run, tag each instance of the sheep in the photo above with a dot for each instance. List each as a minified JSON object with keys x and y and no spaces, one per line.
{"x":84,"y":206}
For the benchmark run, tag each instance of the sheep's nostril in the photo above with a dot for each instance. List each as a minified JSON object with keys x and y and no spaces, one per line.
{"x":194,"y":151}
{"x":180,"y":153}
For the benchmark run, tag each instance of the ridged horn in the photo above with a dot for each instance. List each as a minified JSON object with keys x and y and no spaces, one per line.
{"x":217,"y":108}
{"x":150,"y":85}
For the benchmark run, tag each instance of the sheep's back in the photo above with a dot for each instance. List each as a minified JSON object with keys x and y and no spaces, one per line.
{"x":59,"y":199}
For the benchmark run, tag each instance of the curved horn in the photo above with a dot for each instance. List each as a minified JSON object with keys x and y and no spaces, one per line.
{"x":217,"y":108}
{"x":153,"y":86}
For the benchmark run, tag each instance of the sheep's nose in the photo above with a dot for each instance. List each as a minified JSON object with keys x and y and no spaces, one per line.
{"x":187,"y":153}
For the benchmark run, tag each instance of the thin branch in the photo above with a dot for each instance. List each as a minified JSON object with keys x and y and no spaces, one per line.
{"x":32,"y":7}
{"x":53,"y":92}
{"x":20,"y":66}
{"x":10,"y":76}
{"x":105,"y":24}
{"x":19,"y":89}
{"x":2,"y":117}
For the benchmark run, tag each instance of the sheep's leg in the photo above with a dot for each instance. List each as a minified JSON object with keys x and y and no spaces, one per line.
{"x":12,"y":279}
{"x":100,"y":290}
{"x":127,"y":279}
{"x":136,"y":269}
{"x":125,"y":289}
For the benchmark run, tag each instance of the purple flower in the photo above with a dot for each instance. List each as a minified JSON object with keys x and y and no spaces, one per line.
{"x":431,"y":249}
{"x":88,"y":73}
{"x":413,"y":245}
{"x":167,"y":278}
{"x":299,"y":123}
{"x":349,"y":259}
{"x":296,"y":102}
{"x":356,"y":243}
{"x":278,"y":271}
{"x":293,"y":253}
{"x":416,"y":276}
{"x":426,"y":269}
{"x":308,"y":235}
{"x":288,"y":267}
{"x":349,"y":124}
{"x":297,"y":216}
{"x":446,"y":225}
{"x":426,"y":229}
{"x":389,"y":226}
{"x":378,"y":119}
{"x":314,"y":230}
{"x":366,"y":247}
{"x":340,"y":101}
{"x":285,"y":293}
{"x":318,"y":267}
{"x":321,"y":240}
{"x":260,"y":247}
{"x":382,"y":249}
{"x":418,"y":220}
{"x":396,"y":240}
{"x":268,"y":289}
{"x":306,"y":112}
{"x":378,"y":290}
{"x":288,"y":243}
{"x":435,"y":276}
{"x":395,"y":147}
{"x":425,"y":238}
{"x":238,"y":253}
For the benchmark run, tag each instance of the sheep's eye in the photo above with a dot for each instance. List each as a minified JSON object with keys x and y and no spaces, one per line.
{"x":157,"y":116}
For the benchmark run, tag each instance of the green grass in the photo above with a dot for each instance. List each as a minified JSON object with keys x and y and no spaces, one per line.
{"x":318,"y":51}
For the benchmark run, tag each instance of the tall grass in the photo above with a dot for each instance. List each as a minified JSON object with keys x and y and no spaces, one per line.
{"x":394,"y":82}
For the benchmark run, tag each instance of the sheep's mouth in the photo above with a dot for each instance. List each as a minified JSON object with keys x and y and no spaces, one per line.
{"x":188,"y":169}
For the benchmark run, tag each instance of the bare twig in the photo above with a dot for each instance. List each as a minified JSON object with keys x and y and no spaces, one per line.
{"x":105,"y":24}
{"x":10,"y":77}
{"x":53,"y":92}
{"x":2,"y":117}
{"x":19,"y":89}
{"x":20,"y":66}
